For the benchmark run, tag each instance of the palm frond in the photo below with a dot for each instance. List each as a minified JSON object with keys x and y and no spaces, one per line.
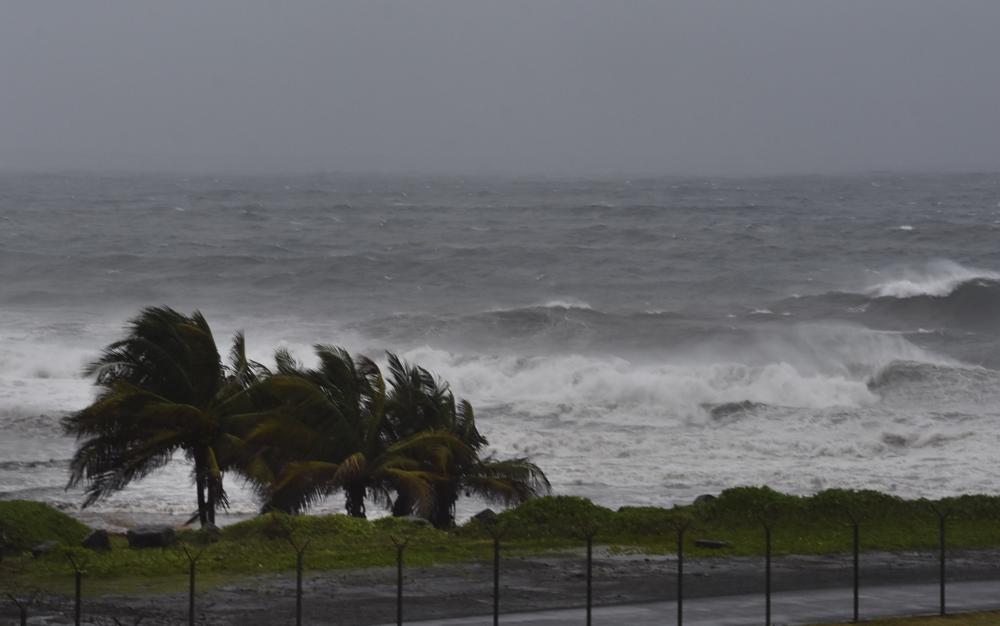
{"x":353,"y":469}
{"x":301,"y":485}
{"x":510,"y":481}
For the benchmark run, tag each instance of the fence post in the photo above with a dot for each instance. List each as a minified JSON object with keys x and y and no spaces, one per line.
{"x":767,"y":515}
{"x":400,"y":544}
{"x":767,"y":574}
{"x":856,"y":533}
{"x":941,"y":539}
{"x":680,"y":576}
{"x":300,"y":551}
{"x":78,"y":602}
{"x":22,"y":607}
{"x":288,"y":529}
{"x":191,"y":575}
{"x":399,"y":585}
{"x":496,"y":532}
{"x":942,"y":516}
{"x":680,"y":526}
{"x":588,"y":530}
{"x":590,"y":575}
{"x":496,"y":580}
{"x":77,"y":586}
{"x":28,"y":599}
{"x":192,"y":558}
{"x":298,"y":589}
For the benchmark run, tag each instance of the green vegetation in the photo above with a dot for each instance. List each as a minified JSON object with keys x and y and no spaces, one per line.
{"x":296,"y":434}
{"x":25,"y":524}
{"x":802,"y":525}
{"x":163,"y":389}
{"x":819,"y":524}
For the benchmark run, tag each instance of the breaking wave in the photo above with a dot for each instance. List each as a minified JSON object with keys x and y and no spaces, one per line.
{"x":939,"y":278}
{"x":915,"y":383}
{"x":565,"y":303}
{"x":615,"y":389}
{"x":962,"y":298}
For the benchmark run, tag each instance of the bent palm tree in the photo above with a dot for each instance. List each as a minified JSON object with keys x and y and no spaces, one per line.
{"x":419,"y":402}
{"x":163,"y":389}
{"x":329,"y":432}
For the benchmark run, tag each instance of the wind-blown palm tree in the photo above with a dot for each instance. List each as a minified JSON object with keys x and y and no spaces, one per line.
{"x":163,"y":389}
{"x":419,"y":402}
{"x":329,"y":433}
{"x":508,"y":481}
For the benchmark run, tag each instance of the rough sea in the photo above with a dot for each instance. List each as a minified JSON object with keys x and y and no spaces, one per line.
{"x":644,"y":341}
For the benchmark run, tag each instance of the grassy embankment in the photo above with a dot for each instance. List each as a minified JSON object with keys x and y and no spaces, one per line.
{"x":802,"y":525}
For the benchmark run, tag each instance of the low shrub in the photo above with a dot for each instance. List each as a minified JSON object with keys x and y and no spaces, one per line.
{"x":26,"y":524}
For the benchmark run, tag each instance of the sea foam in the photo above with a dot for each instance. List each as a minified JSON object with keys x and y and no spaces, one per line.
{"x":813,"y":368}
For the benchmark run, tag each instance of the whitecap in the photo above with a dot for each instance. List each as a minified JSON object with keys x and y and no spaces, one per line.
{"x":565,"y":303}
{"x":937,"y":278}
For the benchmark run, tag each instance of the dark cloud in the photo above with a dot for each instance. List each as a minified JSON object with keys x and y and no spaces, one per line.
{"x":511,"y":86}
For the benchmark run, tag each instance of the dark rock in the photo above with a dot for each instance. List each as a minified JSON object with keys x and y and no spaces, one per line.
{"x":97,"y":540}
{"x":44,"y":548}
{"x":733,"y":409}
{"x":487,"y":517}
{"x":713,"y":544}
{"x":211,"y":533}
{"x":704,"y":498}
{"x":151,"y":537}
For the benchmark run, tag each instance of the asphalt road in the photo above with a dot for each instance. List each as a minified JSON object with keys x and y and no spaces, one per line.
{"x":790,"y":607}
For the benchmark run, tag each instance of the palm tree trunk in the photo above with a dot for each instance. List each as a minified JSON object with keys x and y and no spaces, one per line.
{"x":355,"y":500}
{"x":199,"y":479}
{"x":213,"y":499}
{"x":443,"y":512}
{"x":402,"y":505}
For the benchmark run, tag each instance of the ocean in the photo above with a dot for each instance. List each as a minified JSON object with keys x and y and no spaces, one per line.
{"x":644,"y":341}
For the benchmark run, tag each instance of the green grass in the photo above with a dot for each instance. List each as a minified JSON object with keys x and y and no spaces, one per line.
{"x":801,"y":525}
{"x":26,"y":524}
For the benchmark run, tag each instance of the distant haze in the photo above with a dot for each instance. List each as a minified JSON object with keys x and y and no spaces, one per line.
{"x":577,"y":87}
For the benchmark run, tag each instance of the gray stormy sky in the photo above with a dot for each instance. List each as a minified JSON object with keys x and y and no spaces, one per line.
{"x":504,"y":86}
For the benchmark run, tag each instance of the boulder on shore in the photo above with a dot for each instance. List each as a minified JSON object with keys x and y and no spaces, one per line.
{"x":97,"y":540}
{"x":151,"y":537}
{"x":212,"y":533}
{"x":486,"y":517}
